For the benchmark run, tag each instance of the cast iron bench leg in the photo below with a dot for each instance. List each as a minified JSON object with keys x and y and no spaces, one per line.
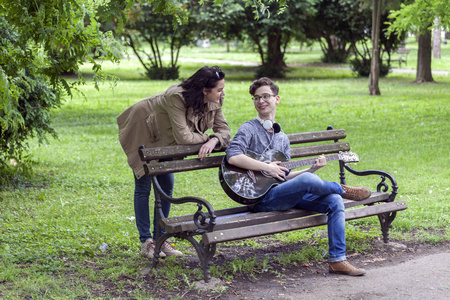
{"x":386,"y":223}
{"x":205,"y":253}
{"x":159,"y":241}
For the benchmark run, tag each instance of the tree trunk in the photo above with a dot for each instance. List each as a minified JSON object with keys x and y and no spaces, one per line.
{"x":437,"y":39}
{"x":424,"y":58}
{"x":375,"y":63}
{"x":275,"y":64}
{"x":258,"y":44}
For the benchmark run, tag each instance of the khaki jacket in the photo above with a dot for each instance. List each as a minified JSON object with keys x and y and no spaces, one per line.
{"x":162,"y":120}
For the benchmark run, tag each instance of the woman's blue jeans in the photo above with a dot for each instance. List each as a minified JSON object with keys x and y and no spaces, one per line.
{"x":307,"y":191}
{"x":142,"y":190}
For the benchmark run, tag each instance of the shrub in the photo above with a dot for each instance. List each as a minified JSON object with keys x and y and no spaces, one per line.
{"x":266,"y":70}
{"x":363,"y":67}
{"x":163,"y":73}
{"x":25,"y":104}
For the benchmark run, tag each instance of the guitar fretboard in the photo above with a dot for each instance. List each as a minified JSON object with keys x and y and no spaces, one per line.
{"x":306,"y":162}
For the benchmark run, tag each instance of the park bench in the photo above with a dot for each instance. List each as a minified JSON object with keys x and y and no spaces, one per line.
{"x":402,"y":55}
{"x":211,"y":227}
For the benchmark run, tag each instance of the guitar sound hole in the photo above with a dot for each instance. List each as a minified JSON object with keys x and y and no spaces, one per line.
{"x":265,"y":174}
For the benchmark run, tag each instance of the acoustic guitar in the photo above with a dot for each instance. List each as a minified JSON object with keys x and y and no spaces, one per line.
{"x":249,"y":187}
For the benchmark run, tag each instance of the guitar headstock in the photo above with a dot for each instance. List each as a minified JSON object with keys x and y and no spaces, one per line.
{"x":348,"y":157}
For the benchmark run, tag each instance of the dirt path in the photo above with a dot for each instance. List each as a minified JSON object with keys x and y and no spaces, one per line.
{"x":394,"y":271}
{"x":423,"y":277}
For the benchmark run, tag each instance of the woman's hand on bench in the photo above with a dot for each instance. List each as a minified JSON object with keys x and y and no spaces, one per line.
{"x":207,"y":148}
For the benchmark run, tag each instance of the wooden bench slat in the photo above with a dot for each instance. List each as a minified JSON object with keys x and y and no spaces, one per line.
{"x":159,"y":168}
{"x":245,"y":218}
{"x":219,"y":213}
{"x":316,"y":136}
{"x":220,"y":236}
{"x":181,"y":151}
{"x":316,"y":150}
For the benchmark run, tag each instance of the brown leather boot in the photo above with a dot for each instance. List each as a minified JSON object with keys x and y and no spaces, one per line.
{"x":344,"y":267}
{"x":355,"y":193}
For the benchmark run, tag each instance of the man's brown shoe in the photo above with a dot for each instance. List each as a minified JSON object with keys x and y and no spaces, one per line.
{"x":355,"y":193}
{"x":344,"y":267}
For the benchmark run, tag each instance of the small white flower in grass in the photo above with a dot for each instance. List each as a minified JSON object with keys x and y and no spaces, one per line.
{"x":104,"y":247}
{"x":430,"y":191}
{"x":131,"y":218}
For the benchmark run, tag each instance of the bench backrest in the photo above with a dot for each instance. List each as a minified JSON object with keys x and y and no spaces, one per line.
{"x":403,"y":51}
{"x":185,"y":156}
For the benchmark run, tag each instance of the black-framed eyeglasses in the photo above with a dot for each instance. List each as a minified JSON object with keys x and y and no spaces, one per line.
{"x":264,"y":97}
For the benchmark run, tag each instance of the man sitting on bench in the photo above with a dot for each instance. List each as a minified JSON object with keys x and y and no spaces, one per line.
{"x":299,"y":189}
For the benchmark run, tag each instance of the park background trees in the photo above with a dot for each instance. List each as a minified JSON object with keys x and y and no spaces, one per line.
{"x":41,"y":41}
{"x":270,"y":36}
{"x":337,"y":26}
{"x":421,"y":16}
{"x":149,"y":34}
{"x":342,"y":29}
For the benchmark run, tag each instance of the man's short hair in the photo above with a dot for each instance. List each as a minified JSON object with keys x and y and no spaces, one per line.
{"x":262,"y":82}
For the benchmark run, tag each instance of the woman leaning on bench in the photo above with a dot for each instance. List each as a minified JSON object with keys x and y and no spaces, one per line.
{"x":301,"y":189}
{"x":180,"y":115}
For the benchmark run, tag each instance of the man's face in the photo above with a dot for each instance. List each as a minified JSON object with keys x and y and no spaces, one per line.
{"x":266,"y":102}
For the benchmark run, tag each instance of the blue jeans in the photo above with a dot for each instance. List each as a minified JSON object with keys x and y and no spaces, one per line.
{"x":142,"y":190}
{"x":307,"y":191}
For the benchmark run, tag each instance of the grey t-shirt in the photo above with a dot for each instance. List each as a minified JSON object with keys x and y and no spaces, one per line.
{"x":252,"y":136}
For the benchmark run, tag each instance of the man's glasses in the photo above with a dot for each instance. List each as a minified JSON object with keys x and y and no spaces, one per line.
{"x":264,"y":97}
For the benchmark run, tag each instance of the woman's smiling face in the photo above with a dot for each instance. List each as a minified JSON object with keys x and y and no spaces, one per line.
{"x":216,"y":93}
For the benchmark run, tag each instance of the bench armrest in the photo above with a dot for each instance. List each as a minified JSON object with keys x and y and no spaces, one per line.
{"x":203,"y":222}
{"x":382,"y":186}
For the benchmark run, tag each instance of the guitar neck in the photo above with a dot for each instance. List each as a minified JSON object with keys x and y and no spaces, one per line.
{"x":306,"y":162}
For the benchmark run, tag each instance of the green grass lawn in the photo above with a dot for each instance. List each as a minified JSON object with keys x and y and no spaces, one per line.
{"x":82,"y":192}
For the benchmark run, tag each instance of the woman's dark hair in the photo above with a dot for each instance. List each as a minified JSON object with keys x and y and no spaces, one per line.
{"x":206,"y":77}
